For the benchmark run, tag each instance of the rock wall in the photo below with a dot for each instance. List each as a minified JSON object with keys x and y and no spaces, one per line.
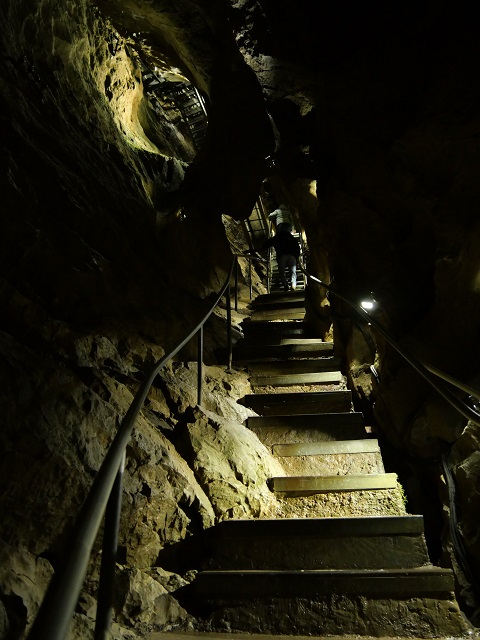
{"x":99,"y":278}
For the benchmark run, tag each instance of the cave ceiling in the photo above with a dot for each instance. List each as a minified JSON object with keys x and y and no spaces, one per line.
{"x":196,"y":38}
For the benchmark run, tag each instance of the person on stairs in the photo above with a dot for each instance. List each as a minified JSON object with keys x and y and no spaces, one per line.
{"x":287,"y":251}
{"x":282,"y":218}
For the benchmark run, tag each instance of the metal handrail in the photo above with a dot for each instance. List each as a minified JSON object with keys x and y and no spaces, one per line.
{"x":250,"y":256}
{"x":56,"y":612}
{"x":432,"y":375}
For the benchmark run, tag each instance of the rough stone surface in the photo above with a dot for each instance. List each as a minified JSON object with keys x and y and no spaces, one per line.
{"x":412,"y":618}
{"x":383,"y":502}
{"x":146,"y":600}
{"x":23,"y":580}
{"x":233,"y":467}
{"x":333,"y":464}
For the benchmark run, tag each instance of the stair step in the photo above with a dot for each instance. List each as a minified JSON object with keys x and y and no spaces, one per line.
{"x":314,"y":420}
{"x":279,"y":314}
{"x":286,"y":349}
{"x":396,"y":603}
{"x":326,"y":484}
{"x":271,"y":436}
{"x":273,"y":297}
{"x":368,"y":445}
{"x":304,"y":365}
{"x":326,"y":427}
{"x":277,"y":288}
{"x":294,"y":341}
{"x":362,"y":526}
{"x":280,"y":303}
{"x":338,"y":464}
{"x":263,"y":328}
{"x":372,"y":542}
{"x":262,"y":337}
{"x":387,"y":583}
{"x":277,"y":306}
{"x":322,"y":377}
{"x":310,"y":402}
{"x":305,"y":341}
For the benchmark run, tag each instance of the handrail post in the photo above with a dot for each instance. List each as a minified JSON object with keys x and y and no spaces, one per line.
{"x":269,"y":271}
{"x":236,"y":284}
{"x":250,"y":276}
{"x":109,"y":557}
{"x":200,"y":366}
{"x":229,"y":328}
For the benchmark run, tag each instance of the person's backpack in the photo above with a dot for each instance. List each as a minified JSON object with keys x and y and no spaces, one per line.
{"x":287,"y":243}
{"x":295,"y":246}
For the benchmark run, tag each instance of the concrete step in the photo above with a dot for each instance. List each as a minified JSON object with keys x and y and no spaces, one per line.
{"x":332,"y":447}
{"x":372,"y":542}
{"x":346,"y":457}
{"x":308,"y":485}
{"x":302,"y":429}
{"x":273,"y":325}
{"x":298,"y":342}
{"x":310,"y":402}
{"x":301,"y":341}
{"x":277,"y":288}
{"x":337,"y":464}
{"x":305,"y":344}
{"x":264,"y":329}
{"x":303,"y":528}
{"x":303,"y":365}
{"x":395,"y":603}
{"x":279,"y":296}
{"x":322,"y":377}
{"x":285,"y":348}
{"x":314,"y":420}
{"x":287,"y":302}
{"x":278,"y":314}
{"x":271,"y":436}
{"x":385,"y":583}
{"x":403,"y":582}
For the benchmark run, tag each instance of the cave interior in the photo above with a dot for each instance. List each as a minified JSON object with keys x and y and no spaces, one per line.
{"x":118,"y":226}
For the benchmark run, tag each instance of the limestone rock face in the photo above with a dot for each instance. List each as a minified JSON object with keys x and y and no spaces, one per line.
{"x":232,"y":466}
{"x":23,"y":580}
{"x":162,"y":488}
{"x":464,"y":460}
{"x":147,"y":600}
{"x":221,"y":389}
{"x":171,"y":492}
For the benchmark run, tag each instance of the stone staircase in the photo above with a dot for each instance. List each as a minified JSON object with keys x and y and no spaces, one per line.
{"x":342,"y":557}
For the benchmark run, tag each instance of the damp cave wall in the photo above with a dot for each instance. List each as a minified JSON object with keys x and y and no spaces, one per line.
{"x":99,"y":279}
{"x":375,"y":143}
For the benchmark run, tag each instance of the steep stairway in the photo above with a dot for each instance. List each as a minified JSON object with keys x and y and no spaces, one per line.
{"x":342,"y":556}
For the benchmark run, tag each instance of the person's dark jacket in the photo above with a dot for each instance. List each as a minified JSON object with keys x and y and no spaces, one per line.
{"x":284,"y":244}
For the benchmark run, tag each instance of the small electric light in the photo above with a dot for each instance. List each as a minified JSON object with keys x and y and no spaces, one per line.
{"x":368,"y":305}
